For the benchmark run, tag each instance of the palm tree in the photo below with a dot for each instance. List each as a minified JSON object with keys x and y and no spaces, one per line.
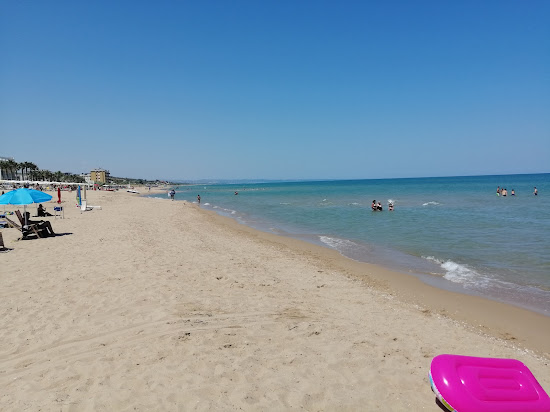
{"x":72,"y":178}
{"x":33,"y":168}
{"x":24,"y":166}
{"x":36,"y":174}
{"x":58,"y":176}
{"x":3,"y":169}
{"x":47,"y":175}
{"x":12,"y":166}
{"x":21,"y":166}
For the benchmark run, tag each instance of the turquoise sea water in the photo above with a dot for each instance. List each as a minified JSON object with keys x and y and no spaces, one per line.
{"x":453,"y":232}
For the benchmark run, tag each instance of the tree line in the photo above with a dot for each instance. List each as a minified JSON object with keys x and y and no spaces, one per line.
{"x":29,"y":171}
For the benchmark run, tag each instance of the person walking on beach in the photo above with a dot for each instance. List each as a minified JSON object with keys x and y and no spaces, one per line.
{"x":535,"y":192}
{"x":172,"y":194}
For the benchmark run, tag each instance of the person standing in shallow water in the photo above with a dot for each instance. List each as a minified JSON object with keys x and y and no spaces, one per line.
{"x":535,"y":192}
{"x":199,"y":199}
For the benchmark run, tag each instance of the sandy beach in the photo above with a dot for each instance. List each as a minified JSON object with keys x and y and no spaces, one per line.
{"x":152,"y":304}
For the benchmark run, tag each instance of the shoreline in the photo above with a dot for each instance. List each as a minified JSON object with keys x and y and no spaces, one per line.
{"x":498,"y":250}
{"x":436,"y":280}
{"x":499,"y":319}
{"x":148,"y":304}
{"x":419,"y":269}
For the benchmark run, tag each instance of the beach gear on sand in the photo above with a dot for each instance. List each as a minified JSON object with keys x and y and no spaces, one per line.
{"x":24,"y":196}
{"x":467,"y":384}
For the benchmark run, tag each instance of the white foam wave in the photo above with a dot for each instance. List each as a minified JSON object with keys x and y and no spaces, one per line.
{"x":284,"y":203}
{"x":336,"y":243}
{"x":224,"y":210}
{"x":431,"y":204}
{"x":207,"y":204}
{"x":457,"y":273}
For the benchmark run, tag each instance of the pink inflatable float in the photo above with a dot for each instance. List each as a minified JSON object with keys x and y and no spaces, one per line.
{"x":468,"y":384}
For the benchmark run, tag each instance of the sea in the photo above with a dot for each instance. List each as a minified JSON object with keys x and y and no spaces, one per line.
{"x":454,"y":233}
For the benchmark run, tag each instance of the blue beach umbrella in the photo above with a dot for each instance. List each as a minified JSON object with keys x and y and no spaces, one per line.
{"x":24,"y":196}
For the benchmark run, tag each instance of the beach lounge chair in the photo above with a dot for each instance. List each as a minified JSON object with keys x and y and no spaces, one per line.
{"x":85,"y":207}
{"x":466,"y":383}
{"x":43,"y":227}
{"x":2,"y":247}
{"x":26,"y":230}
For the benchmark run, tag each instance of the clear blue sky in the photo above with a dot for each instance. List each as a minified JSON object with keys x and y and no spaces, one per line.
{"x":276,"y":89}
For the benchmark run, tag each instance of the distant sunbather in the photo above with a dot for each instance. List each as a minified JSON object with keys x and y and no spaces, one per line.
{"x":42,"y":211}
{"x":40,"y":224}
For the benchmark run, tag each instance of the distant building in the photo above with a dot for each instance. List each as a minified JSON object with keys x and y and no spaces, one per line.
{"x":99,"y":175}
{"x":87,"y":177}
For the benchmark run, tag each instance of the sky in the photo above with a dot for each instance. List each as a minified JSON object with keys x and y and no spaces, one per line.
{"x":189,"y":90}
